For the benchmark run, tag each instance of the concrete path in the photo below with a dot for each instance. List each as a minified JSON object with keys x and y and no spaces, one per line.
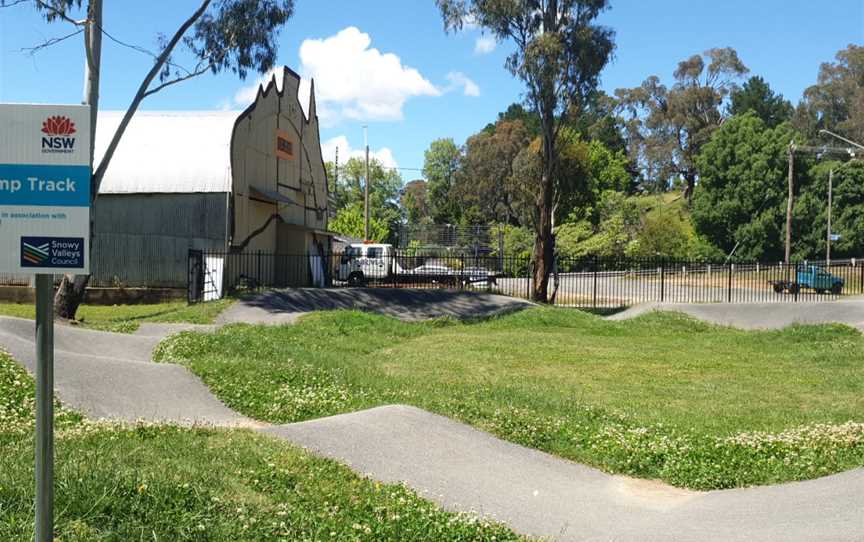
{"x":762,"y":315}
{"x":109,"y":375}
{"x":462,"y":468}
{"x":285,"y":306}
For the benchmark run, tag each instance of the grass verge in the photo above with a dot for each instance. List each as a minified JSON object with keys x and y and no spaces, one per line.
{"x":662,"y":396}
{"x":149,"y":482}
{"x":126,"y":318}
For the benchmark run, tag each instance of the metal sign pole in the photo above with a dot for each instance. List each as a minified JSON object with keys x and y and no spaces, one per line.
{"x":44,"y":408}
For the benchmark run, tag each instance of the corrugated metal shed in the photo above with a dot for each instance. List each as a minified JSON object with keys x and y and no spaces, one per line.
{"x":167,"y":152}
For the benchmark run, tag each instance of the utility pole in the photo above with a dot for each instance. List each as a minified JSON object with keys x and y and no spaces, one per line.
{"x":789,"y":202}
{"x":819,"y":152}
{"x":366,"y":187}
{"x":336,"y":177}
{"x":830,"y":190}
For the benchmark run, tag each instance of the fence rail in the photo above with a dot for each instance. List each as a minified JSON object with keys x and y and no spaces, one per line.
{"x":594,"y":282}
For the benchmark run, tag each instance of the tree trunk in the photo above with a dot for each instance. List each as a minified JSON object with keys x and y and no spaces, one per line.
{"x":543,"y":243}
{"x":689,"y":186}
{"x":70,"y":293}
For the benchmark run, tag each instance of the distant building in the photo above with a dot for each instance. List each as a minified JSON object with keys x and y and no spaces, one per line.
{"x":224,"y":181}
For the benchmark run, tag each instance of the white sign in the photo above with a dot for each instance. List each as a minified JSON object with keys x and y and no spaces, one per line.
{"x":44,"y":188}
{"x":835,"y":237}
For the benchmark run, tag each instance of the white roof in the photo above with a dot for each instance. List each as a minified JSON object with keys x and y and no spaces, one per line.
{"x":167,"y":151}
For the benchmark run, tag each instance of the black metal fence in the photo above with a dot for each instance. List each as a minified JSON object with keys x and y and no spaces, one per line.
{"x":594,"y":282}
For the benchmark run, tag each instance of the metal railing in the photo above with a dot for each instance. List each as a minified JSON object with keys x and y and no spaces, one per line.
{"x":587,"y":282}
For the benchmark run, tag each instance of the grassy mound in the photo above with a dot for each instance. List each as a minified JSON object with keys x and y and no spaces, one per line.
{"x":662,"y":396}
{"x":148,"y":482}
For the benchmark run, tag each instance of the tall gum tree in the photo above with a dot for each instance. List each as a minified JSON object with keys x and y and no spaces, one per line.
{"x":219,"y":35}
{"x":559,"y":51}
{"x":667,"y":127}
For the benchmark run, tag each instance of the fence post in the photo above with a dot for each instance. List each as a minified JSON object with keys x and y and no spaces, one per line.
{"x":729,"y":283}
{"x":662,"y":281}
{"x":189,"y":277}
{"x":528,"y":281}
{"x":861,"y":290}
{"x":258,"y":270}
{"x":594,"y":302}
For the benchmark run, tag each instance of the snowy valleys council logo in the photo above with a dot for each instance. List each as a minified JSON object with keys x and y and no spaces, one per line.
{"x":56,"y":252}
{"x":35,"y":254}
{"x":59,"y":130}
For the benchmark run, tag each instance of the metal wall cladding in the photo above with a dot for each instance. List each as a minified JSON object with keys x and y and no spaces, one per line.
{"x":143,"y":240}
{"x":176,"y":215}
{"x":134,"y":260}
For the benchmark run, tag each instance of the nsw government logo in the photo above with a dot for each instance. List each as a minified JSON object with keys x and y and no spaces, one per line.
{"x":62,"y":252}
{"x":58,"y":132}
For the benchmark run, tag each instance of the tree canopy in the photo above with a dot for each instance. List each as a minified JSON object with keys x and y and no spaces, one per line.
{"x":440,"y":165}
{"x":741,"y":200}
{"x":667,"y":127}
{"x":836,"y":101}
{"x":758,"y":97}
{"x":384,"y":194}
{"x":559,"y":51}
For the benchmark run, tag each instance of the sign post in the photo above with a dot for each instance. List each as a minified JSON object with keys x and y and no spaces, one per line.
{"x":44,"y":407}
{"x":44,"y":229}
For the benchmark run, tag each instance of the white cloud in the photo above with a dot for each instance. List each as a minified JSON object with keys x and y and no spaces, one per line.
{"x":470,"y":23}
{"x":246,"y":95}
{"x":328,"y":151}
{"x":460,"y":80}
{"x":359,"y":82}
{"x":355,"y":81}
{"x":484,"y":45}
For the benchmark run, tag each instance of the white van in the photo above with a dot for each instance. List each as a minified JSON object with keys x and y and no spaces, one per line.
{"x":362,"y":262}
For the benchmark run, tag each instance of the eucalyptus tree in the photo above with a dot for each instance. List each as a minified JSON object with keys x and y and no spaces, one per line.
{"x":667,"y":127}
{"x":559,"y":51}
{"x":238,"y":36}
{"x":836,"y":101}
{"x":486,"y":174}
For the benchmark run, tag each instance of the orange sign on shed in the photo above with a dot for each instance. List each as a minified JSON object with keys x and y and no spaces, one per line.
{"x":284,"y":145}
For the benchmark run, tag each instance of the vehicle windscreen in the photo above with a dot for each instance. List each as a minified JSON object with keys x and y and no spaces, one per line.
{"x":351,"y":253}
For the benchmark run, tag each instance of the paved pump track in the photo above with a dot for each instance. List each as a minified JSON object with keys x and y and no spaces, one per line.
{"x":762,"y":315}
{"x":106,"y":375}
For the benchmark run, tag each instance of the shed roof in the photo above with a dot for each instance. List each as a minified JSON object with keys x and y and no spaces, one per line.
{"x":167,"y":152}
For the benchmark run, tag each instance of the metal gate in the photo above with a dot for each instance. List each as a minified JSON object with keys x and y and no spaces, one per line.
{"x":205,"y":276}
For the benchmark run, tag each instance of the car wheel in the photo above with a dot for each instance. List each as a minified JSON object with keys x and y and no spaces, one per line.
{"x":355,"y":279}
{"x":778,"y":288}
{"x":837,"y":289}
{"x":820,"y":291}
{"x":794,"y":288}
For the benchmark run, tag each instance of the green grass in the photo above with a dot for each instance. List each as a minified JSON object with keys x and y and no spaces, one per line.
{"x":155,"y":483}
{"x":662,"y":396}
{"x":126,"y":318}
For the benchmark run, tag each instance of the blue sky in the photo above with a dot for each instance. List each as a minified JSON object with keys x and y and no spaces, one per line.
{"x":423,"y":84}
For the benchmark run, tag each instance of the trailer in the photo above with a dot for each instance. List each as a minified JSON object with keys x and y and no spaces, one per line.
{"x":365,"y":264}
{"x":811,"y":277}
